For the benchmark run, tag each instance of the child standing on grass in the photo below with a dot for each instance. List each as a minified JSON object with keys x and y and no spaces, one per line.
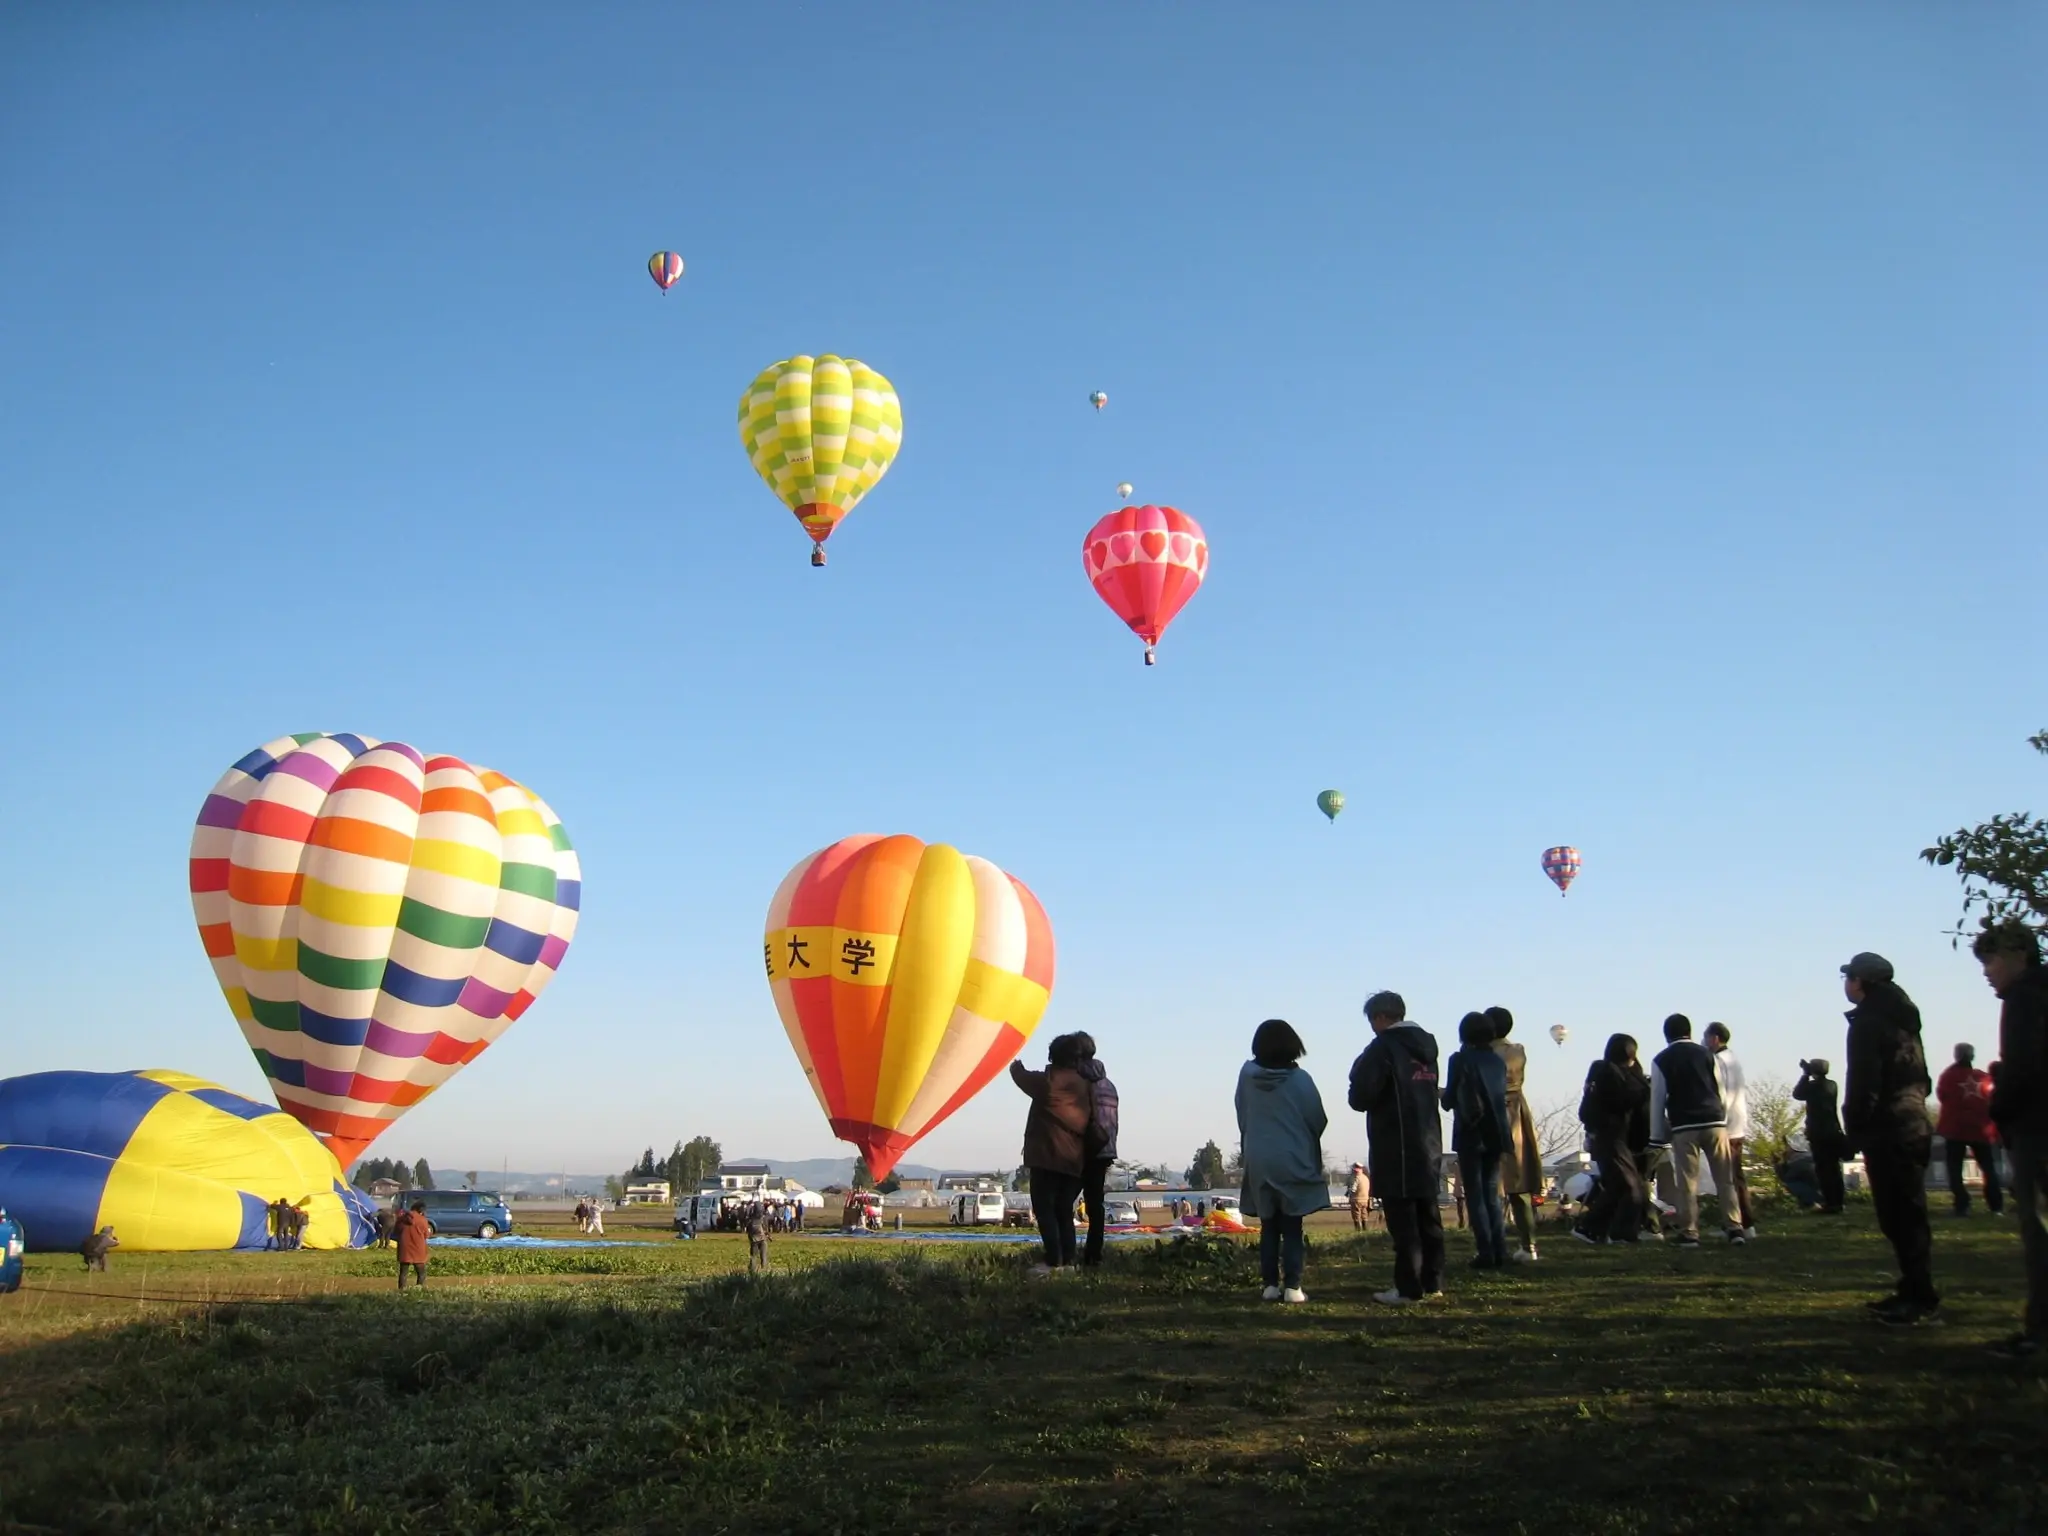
{"x":1280,"y":1123}
{"x":411,"y":1233}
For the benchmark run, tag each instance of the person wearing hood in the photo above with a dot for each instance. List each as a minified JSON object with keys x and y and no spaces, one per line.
{"x":1280,"y":1123}
{"x":1098,"y":1144}
{"x":1824,"y":1138}
{"x":1521,"y":1166}
{"x":1476,"y":1094}
{"x":1394,"y":1084}
{"x":2011,"y":957}
{"x":1054,"y":1149}
{"x":1884,"y":1112}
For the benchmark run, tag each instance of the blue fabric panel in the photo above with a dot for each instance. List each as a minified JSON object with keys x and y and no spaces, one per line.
{"x":86,"y":1111}
{"x":55,"y":1195}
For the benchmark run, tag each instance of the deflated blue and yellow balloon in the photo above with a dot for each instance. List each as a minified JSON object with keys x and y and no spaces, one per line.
{"x":169,"y":1161}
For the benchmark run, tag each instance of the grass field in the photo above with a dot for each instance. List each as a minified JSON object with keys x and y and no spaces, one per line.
{"x":905,"y":1388}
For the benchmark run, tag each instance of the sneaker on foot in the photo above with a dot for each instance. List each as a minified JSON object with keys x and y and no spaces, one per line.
{"x":1294,"y":1293}
{"x":1909,"y":1314}
{"x":1587,"y":1237}
{"x":1435,"y":1295}
{"x":1749,"y":1231}
{"x":1270,"y":1293}
{"x":1737,"y":1236}
{"x":1687,"y":1240}
{"x":1395,"y":1299}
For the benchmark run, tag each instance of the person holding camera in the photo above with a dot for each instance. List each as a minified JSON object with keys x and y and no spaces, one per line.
{"x":1824,"y":1138}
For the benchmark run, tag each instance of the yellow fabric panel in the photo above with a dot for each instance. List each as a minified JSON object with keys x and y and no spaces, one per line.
{"x":924,"y":984}
{"x":155,"y":1210}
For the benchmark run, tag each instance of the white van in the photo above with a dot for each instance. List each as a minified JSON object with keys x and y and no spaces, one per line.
{"x":977,"y":1208}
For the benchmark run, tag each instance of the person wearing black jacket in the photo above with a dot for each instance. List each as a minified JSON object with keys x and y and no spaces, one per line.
{"x":2011,"y":957}
{"x":1615,"y":1109}
{"x":1885,"y":1115}
{"x":1824,"y":1139}
{"x":1098,"y":1145}
{"x":1394,"y":1083}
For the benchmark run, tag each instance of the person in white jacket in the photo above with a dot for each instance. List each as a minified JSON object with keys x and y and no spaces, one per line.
{"x":1735,"y":1099}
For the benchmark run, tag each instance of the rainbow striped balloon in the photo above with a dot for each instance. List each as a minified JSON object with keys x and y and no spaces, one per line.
{"x":376,"y":918}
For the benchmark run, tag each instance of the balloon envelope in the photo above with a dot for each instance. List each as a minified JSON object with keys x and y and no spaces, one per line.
{"x":821,"y":431}
{"x":1124,"y":491}
{"x":1330,"y":802}
{"x":665,"y":267}
{"x":907,"y":976}
{"x":1146,"y":562}
{"x":1098,"y":399}
{"x":1562,"y":865}
{"x":167,"y":1160}
{"x":1559,"y":1033}
{"x":376,"y":918}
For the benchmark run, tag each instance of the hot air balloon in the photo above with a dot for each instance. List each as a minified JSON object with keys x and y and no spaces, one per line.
{"x":665,"y":267}
{"x":907,"y":975}
{"x":1123,"y":491}
{"x":821,"y":431}
{"x":1098,"y":399}
{"x":1330,"y":802}
{"x":169,"y":1161}
{"x":376,"y":917}
{"x":1146,"y":562}
{"x":1559,"y":1033}
{"x":1562,"y":865}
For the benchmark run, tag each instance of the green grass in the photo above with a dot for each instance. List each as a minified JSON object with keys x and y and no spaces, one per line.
{"x":885,"y":1388}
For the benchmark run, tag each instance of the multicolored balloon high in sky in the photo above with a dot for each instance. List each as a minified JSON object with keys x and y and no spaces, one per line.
{"x":376,"y":917}
{"x":1098,"y":399}
{"x":1559,"y":1033}
{"x":169,"y":1161}
{"x":664,"y":267}
{"x":821,"y":431}
{"x":1146,"y":562}
{"x":907,"y":976}
{"x":1330,"y":802}
{"x":1562,"y":865}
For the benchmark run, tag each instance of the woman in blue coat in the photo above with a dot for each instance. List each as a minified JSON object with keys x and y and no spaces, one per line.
{"x":1280,"y":1123}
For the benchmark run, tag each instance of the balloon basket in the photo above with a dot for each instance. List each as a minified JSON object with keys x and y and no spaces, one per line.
{"x":1150,"y":658}
{"x":818,"y":557}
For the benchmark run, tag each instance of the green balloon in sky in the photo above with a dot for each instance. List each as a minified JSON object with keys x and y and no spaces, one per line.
{"x":1330,"y":802}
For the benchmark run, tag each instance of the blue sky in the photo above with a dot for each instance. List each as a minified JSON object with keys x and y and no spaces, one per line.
{"x":1621,"y":427}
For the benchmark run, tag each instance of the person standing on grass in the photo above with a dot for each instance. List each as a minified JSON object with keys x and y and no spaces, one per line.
{"x":1476,"y":1094}
{"x":1394,"y":1083}
{"x":411,"y":1232}
{"x":13,"y":1244}
{"x":2011,"y":956}
{"x":1885,"y":1114}
{"x":757,"y":1240}
{"x":1359,"y":1190}
{"x":1824,"y":1138}
{"x":1966,"y":1130}
{"x":1687,"y":1115}
{"x":1054,"y":1147}
{"x":1735,"y":1100}
{"x":1280,"y":1124}
{"x":1521,"y":1168}
{"x":1615,"y":1110}
{"x":1098,"y":1143}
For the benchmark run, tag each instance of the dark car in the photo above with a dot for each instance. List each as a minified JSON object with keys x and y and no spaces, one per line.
{"x":461,"y":1212}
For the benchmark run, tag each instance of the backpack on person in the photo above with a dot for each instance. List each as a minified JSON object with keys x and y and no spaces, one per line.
{"x":1098,"y":1139}
{"x":1478,"y":1114}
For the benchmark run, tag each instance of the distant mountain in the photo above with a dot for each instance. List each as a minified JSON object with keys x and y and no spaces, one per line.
{"x":817,"y":1172}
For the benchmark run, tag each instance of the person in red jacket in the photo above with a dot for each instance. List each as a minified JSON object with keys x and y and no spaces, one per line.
{"x":411,"y":1233}
{"x":1965,"y":1128}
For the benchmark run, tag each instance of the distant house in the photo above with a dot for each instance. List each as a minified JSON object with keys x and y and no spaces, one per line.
{"x":744,"y":1175}
{"x":914,"y":1186}
{"x":384,"y":1189}
{"x":646,"y":1192}
{"x":969,"y":1182}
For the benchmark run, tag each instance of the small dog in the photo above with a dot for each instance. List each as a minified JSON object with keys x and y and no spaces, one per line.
{"x":94,"y":1249}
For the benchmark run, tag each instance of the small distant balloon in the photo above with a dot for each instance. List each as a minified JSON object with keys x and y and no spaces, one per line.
{"x":1123,"y":491}
{"x":1098,"y":399}
{"x":1559,"y":1033}
{"x":664,"y":267}
{"x":1562,"y":865}
{"x":1330,"y":802}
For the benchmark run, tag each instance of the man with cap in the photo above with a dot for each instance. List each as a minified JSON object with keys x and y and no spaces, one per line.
{"x":1884,"y":1112}
{"x":2011,"y":956}
{"x":1360,"y":1191}
{"x":1824,"y":1139}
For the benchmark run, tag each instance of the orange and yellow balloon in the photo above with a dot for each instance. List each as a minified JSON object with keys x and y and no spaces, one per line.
{"x":907,"y":975}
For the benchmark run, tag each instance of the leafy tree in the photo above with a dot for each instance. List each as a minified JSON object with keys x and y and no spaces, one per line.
{"x":646,"y":1167}
{"x":2003,"y":864}
{"x":1020,"y":1181}
{"x":889,"y":1186}
{"x":614,"y":1187}
{"x":469,"y":1179}
{"x":862,"y":1179}
{"x":692,"y":1163}
{"x":422,"y":1175}
{"x":1208,"y":1171}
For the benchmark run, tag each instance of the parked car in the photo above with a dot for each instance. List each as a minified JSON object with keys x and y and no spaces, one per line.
{"x":460,"y":1212}
{"x":974,"y":1208}
{"x":1120,"y":1212}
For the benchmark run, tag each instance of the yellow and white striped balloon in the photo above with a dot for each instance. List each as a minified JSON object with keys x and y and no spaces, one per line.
{"x":821,"y":431}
